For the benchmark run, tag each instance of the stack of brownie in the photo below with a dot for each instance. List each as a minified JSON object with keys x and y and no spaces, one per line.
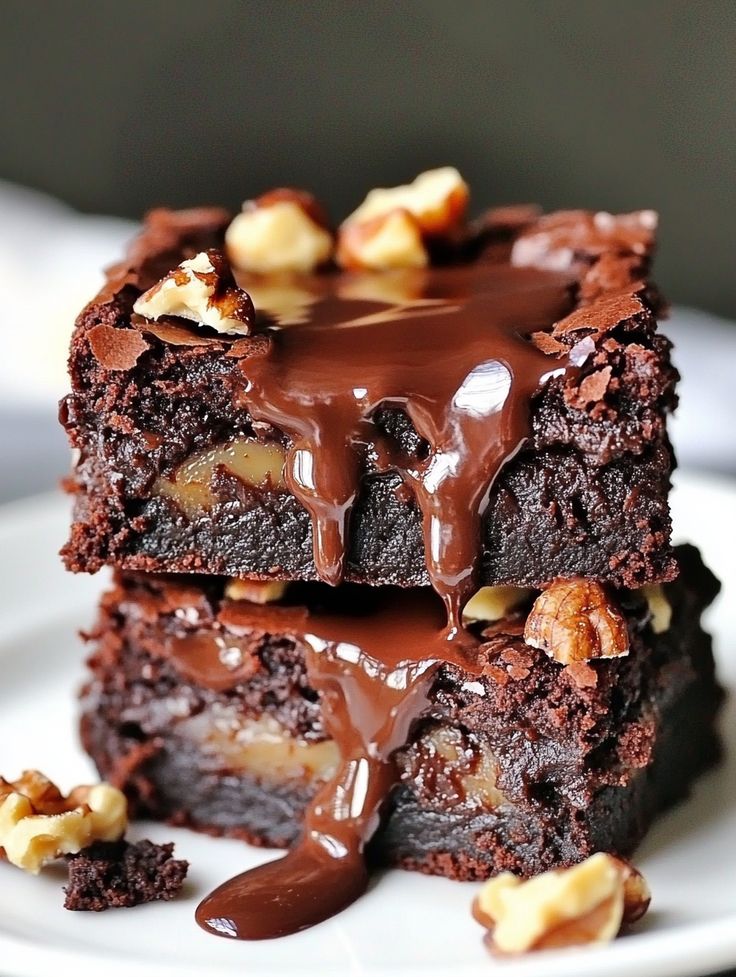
{"x":387,"y":512}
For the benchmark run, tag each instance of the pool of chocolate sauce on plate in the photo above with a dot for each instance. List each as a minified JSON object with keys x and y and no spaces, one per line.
{"x":454,"y":353}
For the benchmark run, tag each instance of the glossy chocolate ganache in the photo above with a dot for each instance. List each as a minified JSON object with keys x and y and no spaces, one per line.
{"x":457,"y":358}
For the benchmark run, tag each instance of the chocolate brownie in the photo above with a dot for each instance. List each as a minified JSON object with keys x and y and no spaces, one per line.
{"x":205,"y":714}
{"x":181,"y":466}
{"x":119,"y":874}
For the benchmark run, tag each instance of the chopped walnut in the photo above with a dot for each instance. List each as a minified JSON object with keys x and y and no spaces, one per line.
{"x":588,"y":903}
{"x":38,"y":823}
{"x":494,"y":603}
{"x":284,"y":230}
{"x":392,"y":240}
{"x":577,"y":620}
{"x":660,"y":609}
{"x":437,"y":200}
{"x":390,"y":227}
{"x":203,"y":290}
{"x":255,"y":591}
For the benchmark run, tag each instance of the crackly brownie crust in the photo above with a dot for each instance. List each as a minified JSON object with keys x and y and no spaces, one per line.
{"x":587,"y":495}
{"x":584,"y":756}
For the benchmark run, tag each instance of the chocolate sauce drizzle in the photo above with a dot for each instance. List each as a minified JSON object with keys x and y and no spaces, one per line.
{"x":373,"y":673}
{"x":457,"y":359}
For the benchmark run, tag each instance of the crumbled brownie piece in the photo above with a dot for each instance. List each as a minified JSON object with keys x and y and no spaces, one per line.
{"x":118,"y":874}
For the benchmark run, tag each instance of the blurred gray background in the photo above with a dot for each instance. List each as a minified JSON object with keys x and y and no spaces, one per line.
{"x":118,"y":106}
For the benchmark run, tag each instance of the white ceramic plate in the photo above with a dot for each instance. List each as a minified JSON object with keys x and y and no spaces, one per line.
{"x":408,"y":925}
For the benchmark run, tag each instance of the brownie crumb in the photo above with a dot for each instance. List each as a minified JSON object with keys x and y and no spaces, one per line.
{"x":119,"y":874}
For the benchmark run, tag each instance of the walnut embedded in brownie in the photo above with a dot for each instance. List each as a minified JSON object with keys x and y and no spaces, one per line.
{"x":528,"y":765}
{"x":119,"y":874}
{"x":586,"y":494}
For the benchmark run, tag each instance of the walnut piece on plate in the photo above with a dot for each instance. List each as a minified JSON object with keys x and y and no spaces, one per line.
{"x":39,"y":824}
{"x":588,"y":903}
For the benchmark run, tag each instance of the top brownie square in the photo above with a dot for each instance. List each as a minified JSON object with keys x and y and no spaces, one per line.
{"x":183,"y":464}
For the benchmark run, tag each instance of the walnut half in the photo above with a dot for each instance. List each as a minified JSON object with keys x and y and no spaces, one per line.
{"x":577,"y":620}
{"x":38,"y":823}
{"x":588,"y":903}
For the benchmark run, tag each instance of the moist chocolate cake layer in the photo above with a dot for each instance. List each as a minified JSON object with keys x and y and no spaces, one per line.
{"x":180,"y":470}
{"x":521,"y":764}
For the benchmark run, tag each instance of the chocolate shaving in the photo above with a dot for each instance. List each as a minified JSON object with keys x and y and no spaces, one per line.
{"x":593,"y":388}
{"x":175,"y":334}
{"x":240,"y":348}
{"x":610,"y":273}
{"x":116,"y":349}
{"x":556,"y":241}
{"x":548,"y":344}
{"x":603,"y":316}
{"x":582,"y":675}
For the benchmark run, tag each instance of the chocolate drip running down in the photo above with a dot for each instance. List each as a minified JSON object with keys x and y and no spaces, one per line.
{"x":455,"y":356}
{"x":373,"y":673}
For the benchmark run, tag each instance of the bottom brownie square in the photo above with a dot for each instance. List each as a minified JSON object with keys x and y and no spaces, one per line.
{"x":523,"y":766}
